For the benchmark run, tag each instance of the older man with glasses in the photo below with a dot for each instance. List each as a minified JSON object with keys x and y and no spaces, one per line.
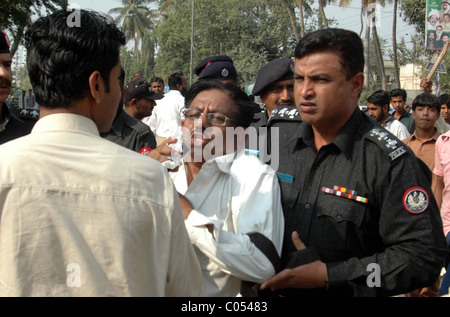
{"x":230,"y":200}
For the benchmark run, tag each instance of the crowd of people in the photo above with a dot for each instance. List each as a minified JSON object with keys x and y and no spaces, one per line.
{"x":135,"y":192}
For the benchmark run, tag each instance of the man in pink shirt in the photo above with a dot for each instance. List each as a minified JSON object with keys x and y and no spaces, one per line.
{"x":441,"y":191}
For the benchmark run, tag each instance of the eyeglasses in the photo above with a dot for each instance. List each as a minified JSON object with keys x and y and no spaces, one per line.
{"x":214,"y":119}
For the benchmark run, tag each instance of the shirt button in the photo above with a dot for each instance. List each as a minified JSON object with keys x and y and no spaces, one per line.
{"x":307,"y":206}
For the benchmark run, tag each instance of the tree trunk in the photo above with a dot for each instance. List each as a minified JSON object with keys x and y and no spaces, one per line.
{"x":379,"y":55}
{"x":322,"y":17}
{"x":292,"y":19}
{"x":302,"y":19}
{"x":367,"y":55}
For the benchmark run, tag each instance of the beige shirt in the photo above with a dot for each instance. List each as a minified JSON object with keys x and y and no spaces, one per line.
{"x":423,"y":148}
{"x":83,"y":216}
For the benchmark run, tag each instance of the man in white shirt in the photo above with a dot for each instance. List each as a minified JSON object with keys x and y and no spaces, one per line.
{"x":226,"y":194}
{"x":165,"y":122}
{"x":81,"y":218}
{"x":378,"y":107}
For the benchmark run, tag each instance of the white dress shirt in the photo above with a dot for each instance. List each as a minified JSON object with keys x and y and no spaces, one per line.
{"x":238,"y":196}
{"x":83,"y":216}
{"x":165,"y":121}
{"x":396,"y":128}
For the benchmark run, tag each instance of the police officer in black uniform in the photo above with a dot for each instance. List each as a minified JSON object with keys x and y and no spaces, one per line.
{"x":11,"y":126}
{"x":278,"y":115}
{"x":217,"y":67}
{"x":360,"y":217}
{"x":130,"y":132}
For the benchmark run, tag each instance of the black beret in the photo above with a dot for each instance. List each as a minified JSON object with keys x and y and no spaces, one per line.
{"x":216,"y":67}
{"x":276,"y":70}
{"x":138,"y":89}
{"x":4,"y":43}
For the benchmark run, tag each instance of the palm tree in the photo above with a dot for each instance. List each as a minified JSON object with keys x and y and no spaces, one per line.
{"x":136,"y":19}
{"x":291,"y":13}
{"x":365,"y":10}
{"x":15,"y":15}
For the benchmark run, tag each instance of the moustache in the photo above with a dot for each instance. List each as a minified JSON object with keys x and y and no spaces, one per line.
{"x":4,"y":82}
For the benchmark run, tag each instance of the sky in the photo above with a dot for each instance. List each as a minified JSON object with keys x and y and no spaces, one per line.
{"x":347,"y":18}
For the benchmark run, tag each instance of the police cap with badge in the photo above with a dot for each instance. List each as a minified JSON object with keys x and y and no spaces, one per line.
{"x":139,"y":89}
{"x":4,"y":43}
{"x":277,"y":70}
{"x":216,"y":67}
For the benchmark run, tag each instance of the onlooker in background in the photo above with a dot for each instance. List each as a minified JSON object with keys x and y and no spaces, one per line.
{"x":137,"y":76}
{"x":30,"y":100}
{"x":444,"y":100}
{"x":378,"y":107}
{"x":166,"y":119}
{"x":85,"y":216}
{"x":441,"y":125}
{"x":398,"y":101}
{"x":426,"y":109}
{"x":157,"y":84}
{"x":11,"y":126}
{"x":441,"y":190}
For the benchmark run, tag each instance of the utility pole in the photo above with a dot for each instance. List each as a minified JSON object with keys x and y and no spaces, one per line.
{"x":192,"y":44}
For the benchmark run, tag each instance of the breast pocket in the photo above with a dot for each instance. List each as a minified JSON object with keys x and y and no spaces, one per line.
{"x":338,"y":219}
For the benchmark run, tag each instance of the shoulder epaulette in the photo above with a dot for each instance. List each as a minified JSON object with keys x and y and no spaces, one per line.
{"x":138,"y":126}
{"x":284,"y":113}
{"x":387,"y":142}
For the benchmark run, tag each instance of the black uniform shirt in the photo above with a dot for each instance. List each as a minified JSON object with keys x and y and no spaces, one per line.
{"x":130,"y":133}
{"x":12,"y":126}
{"x":391,"y":219}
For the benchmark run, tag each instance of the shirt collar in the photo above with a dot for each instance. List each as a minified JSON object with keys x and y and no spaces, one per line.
{"x":434,"y":137}
{"x":343,"y":140}
{"x":66,"y":121}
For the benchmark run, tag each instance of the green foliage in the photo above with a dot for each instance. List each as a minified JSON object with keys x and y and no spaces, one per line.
{"x":251,"y":32}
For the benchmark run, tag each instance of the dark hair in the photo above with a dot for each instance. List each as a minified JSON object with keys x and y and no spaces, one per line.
{"x":444,"y":99}
{"x":175,"y":79}
{"x":380,"y":98}
{"x":60,"y":58}
{"x":426,"y":100}
{"x":157,"y":79}
{"x":346,"y":43}
{"x":241,"y":99}
{"x":398,"y":92}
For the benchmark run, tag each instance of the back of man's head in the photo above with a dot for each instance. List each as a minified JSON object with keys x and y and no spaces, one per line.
{"x":61,"y":58}
{"x":175,"y":79}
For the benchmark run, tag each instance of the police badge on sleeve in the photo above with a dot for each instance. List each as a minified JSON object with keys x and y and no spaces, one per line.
{"x":416,"y":200}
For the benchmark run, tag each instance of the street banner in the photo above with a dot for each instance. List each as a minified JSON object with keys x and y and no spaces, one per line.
{"x":437,"y":24}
